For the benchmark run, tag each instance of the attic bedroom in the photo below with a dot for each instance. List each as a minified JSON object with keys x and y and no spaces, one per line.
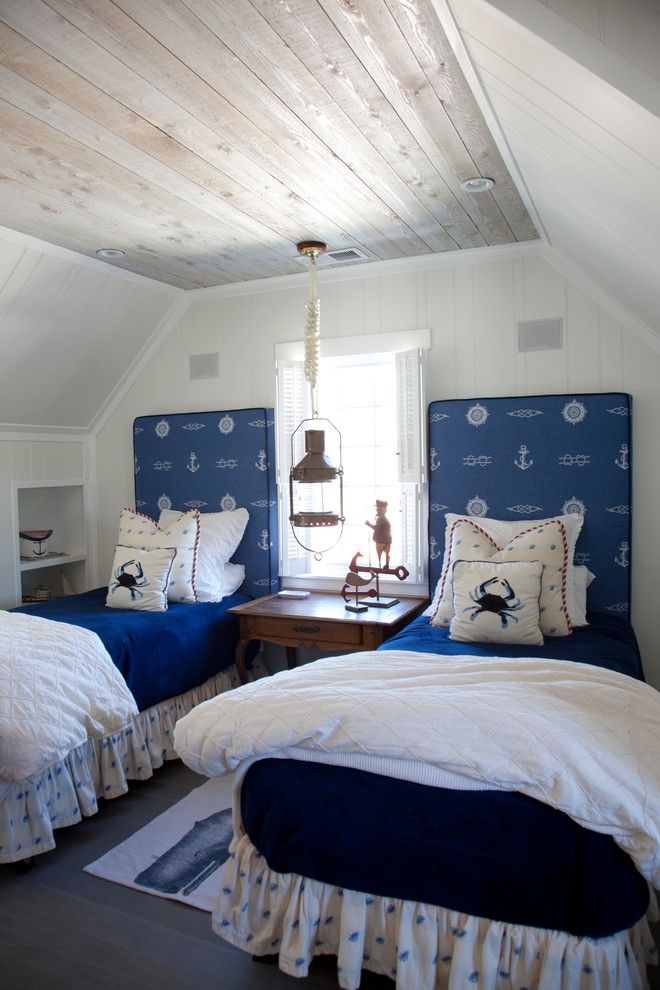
{"x":160,"y":165}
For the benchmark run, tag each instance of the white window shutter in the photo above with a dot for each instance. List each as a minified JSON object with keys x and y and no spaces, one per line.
{"x":292,"y":408}
{"x":409,"y":415}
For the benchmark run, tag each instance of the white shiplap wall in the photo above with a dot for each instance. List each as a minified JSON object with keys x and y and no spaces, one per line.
{"x":472,"y":309}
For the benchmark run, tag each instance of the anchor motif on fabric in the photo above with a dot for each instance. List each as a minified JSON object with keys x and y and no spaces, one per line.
{"x":435,"y":462}
{"x":523,"y":463}
{"x":622,"y":461}
{"x":262,"y":463}
{"x":137,"y":465}
{"x":622,"y":560}
{"x":433,"y":552}
{"x":264,"y":542}
{"x":192,"y":464}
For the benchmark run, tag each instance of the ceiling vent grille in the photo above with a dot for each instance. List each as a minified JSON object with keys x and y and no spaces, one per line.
{"x":344,"y":255}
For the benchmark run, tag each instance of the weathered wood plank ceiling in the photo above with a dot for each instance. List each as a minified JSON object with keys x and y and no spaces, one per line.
{"x":205,"y":138}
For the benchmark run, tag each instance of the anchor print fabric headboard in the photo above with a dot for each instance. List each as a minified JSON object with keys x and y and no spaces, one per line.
{"x":213,"y":461}
{"x":531,"y":457}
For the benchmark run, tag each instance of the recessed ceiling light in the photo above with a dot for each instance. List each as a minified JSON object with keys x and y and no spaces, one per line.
{"x":110,"y":253}
{"x":477,"y":184}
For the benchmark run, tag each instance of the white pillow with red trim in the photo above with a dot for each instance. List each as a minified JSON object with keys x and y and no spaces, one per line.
{"x":503,"y":530}
{"x":546,"y":542}
{"x":182,"y":535}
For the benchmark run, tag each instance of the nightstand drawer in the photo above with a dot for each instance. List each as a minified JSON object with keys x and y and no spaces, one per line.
{"x":304,"y":629}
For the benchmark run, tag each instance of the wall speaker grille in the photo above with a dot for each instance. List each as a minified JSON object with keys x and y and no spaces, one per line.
{"x":540,"y":335}
{"x":204,"y":366}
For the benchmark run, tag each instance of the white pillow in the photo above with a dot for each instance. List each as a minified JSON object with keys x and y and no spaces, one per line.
{"x":545,"y":542}
{"x":219,"y":536}
{"x":496,"y":603}
{"x":136,"y":530}
{"x":139,"y":578}
{"x":582,"y":579}
{"x":504,"y":530}
{"x":233,"y":576}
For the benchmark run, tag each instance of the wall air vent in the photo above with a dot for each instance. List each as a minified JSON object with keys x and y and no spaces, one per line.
{"x":344,"y":255}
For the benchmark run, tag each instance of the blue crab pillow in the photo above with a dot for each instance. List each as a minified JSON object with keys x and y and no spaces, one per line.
{"x":140,"y":578}
{"x":497,"y":602}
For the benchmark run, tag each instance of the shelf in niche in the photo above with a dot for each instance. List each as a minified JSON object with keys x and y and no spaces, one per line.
{"x":50,"y":560}
{"x":62,"y":507}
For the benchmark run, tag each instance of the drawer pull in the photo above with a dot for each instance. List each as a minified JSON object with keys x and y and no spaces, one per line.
{"x":306,"y":629}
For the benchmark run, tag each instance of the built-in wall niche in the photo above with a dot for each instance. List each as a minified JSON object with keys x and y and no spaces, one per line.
{"x":58,"y":565}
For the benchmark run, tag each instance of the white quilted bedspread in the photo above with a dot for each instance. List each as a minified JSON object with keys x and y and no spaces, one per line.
{"x":58,"y":687}
{"x":580,"y":738}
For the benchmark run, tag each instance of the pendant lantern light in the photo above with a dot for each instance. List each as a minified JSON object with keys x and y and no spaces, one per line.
{"x":307,"y":495}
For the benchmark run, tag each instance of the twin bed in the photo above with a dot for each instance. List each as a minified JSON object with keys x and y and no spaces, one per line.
{"x":91,"y":685}
{"x":478,"y":801}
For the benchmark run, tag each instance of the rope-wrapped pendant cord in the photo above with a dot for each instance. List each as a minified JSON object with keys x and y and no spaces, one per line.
{"x":311,"y":250}
{"x":312,"y":336}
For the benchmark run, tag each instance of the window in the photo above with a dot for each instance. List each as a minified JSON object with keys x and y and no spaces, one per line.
{"x":370,"y":405}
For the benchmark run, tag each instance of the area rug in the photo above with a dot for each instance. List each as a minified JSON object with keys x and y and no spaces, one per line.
{"x":178,"y":854}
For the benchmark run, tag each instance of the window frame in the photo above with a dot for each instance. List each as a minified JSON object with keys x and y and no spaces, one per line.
{"x":410,"y":349}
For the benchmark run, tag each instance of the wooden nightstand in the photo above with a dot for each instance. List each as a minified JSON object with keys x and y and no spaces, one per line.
{"x":321,"y":622}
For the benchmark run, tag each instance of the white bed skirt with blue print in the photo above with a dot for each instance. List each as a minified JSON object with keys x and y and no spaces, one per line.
{"x":69,"y":789}
{"x":419,"y":946}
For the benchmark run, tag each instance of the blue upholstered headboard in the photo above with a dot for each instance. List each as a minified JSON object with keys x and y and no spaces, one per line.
{"x":535,"y":456}
{"x":214,"y":461}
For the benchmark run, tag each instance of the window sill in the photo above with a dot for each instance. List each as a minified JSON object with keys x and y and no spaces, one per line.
{"x":401,"y":589}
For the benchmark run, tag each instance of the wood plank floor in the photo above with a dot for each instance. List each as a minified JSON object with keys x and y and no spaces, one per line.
{"x":61,"y":929}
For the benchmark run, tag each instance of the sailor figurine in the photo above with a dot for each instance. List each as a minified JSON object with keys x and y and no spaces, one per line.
{"x":382,"y":532}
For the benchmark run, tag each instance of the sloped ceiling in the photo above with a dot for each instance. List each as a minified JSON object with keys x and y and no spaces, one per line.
{"x":69,"y":333}
{"x":576,"y":101}
{"x":348,"y":122}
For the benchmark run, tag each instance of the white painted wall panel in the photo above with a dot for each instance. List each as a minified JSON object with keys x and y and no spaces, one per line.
{"x":462,"y":342}
{"x":472,"y":310}
{"x":632,"y":29}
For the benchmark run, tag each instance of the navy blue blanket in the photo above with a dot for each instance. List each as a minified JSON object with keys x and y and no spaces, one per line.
{"x":608,"y":641}
{"x":160,"y":654}
{"x":494,"y":854}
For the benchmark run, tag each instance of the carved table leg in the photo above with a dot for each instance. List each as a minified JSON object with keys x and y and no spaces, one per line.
{"x":239,"y":660}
